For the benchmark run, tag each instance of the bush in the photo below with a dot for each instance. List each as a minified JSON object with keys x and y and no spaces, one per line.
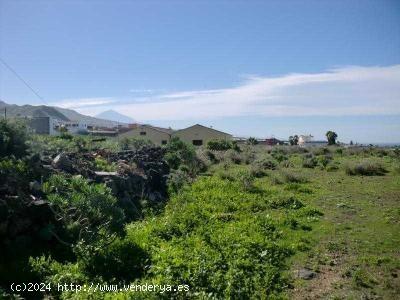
{"x":366,"y":167}
{"x":266,"y":163}
{"x":133,"y":143}
{"x":211,"y":156}
{"x":179,"y":153}
{"x":320,"y":151}
{"x":248,"y":156}
{"x":233,"y":156}
{"x":279,"y":154}
{"x":309,"y":162}
{"x":246,"y":179}
{"x":324,"y":160}
{"x":288,"y":177}
{"x":222,"y":145}
{"x":88,"y":213}
{"x":121,"y":261}
{"x":290,"y":203}
{"x":210,"y":239}
{"x":176,"y":180}
{"x":102,"y":165}
{"x":332,"y":166}
{"x":13,"y":139}
{"x":257,"y":171}
{"x":252,"y":141}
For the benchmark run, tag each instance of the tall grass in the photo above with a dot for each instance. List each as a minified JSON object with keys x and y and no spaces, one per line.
{"x":366,"y":168}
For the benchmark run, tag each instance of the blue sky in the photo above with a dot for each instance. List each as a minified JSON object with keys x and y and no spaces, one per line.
{"x":252,"y":68}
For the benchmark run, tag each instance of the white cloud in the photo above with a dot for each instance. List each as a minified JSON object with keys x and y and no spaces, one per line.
{"x":342,"y":91}
{"x":82,"y":102}
{"x":141,"y":91}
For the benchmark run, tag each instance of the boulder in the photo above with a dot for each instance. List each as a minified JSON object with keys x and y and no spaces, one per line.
{"x":62,"y":162}
{"x":305,"y":273}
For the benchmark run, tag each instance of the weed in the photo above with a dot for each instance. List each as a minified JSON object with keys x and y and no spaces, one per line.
{"x":366,"y":167}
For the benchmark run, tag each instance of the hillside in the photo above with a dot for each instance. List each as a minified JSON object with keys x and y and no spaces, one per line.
{"x":63,"y":114}
{"x":75,"y":116}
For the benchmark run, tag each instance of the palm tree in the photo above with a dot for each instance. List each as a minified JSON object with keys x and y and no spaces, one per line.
{"x":331,"y":136}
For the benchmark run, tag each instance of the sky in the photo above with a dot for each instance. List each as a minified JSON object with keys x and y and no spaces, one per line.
{"x":250,"y":68}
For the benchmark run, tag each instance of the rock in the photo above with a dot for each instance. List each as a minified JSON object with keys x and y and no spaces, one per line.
{"x":35,"y":186}
{"x":62,"y":162}
{"x":305,"y":274}
{"x":105,"y":174}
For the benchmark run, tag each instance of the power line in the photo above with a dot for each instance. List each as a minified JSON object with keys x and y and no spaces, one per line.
{"x":22,"y":80}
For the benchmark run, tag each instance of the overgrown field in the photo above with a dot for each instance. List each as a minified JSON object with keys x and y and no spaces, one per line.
{"x":246,"y":222}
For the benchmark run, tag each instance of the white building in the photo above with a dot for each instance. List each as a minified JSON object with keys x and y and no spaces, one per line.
{"x":303,"y":139}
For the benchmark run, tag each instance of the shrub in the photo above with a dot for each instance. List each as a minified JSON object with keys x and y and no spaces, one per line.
{"x":286,"y":164}
{"x":252,"y":141}
{"x":179,"y":153}
{"x":209,"y":239}
{"x":366,"y":167}
{"x":339,"y":151}
{"x":219,"y":145}
{"x":320,"y":151}
{"x":176,"y":180}
{"x":133,"y":143}
{"x":266,"y":163}
{"x":246,"y":179}
{"x":66,"y":136}
{"x":121,"y":261}
{"x":80,"y":143}
{"x":233,"y":156}
{"x":102,"y":165}
{"x":248,"y":156}
{"x":257,"y":171}
{"x":279,"y":154}
{"x":88,"y":213}
{"x":291,"y":203}
{"x":225,"y":175}
{"x":211,"y":156}
{"x":396,"y":169}
{"x":13,"y":139}
{"x":291,"y":177}
{"x":332,"y":166}
{"x":309,"y":162}
{"x":324,"y":160}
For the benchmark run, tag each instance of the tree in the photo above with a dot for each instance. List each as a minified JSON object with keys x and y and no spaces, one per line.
{"x":331,"y":136}
{"x":179,"y":153}
{"x":293,"y":140}
{"x":251,"y":141}
{"x":13,"y":139}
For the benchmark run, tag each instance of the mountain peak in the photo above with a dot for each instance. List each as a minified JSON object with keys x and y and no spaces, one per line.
{"x":113,"y":115}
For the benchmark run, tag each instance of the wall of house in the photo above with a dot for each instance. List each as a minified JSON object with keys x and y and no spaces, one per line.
{"x":39,"y":125}
{"x":157,"y":137}
{"x":200,"y":133}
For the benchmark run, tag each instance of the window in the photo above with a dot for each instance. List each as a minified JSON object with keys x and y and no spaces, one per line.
{"x":197,"y":142}
{"x":143,"y":133}
{"x":163,"y":142}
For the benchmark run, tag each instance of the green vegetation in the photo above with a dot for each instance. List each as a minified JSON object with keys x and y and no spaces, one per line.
{"x":12,"y":139}
{"x":238,"y":224}
{"x":331,"y":136}
{"x":293,"y":140}
{"x":221,"y":145}
{"x":365,"y":167}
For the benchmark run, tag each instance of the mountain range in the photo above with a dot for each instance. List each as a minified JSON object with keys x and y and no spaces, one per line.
{"x":113,"y":115}
{"x":63,"y":114}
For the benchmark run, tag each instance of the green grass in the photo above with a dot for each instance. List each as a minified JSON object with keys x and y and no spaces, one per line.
{"x":356,"y":244}
{"x":242,"y":230}
{"x":227,"y":240}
